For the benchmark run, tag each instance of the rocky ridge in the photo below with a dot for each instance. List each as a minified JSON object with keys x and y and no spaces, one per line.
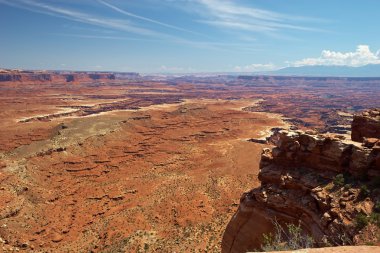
{"x":327,"y":184}
{"x":366,"y":126}
{"x":21,"y":76}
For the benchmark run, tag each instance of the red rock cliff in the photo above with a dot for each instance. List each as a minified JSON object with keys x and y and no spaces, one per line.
{"x":19,"y":76}
{"x":324,"y":182}
{"x":366,"y":125}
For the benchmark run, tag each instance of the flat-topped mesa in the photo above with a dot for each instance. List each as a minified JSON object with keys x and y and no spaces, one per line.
{"x":19,"y":76}
{"x":366,"y":125}
{"x":318,"y":181}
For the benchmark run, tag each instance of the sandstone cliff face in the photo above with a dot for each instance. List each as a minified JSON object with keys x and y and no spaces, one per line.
{"x":366,"y":125}
{"x":297,"y":186}
{"x":16,"y":76}
{"x":343,"y":249}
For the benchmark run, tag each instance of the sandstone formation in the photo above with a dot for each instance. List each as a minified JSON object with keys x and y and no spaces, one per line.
{"x":323,"y":182}
{"x":343,"y":249}
{"x":76,"y":160}
{"x":366,"y":125}
{"x":160,"y":179}
{"x":21,"y":76}
{"x":326,"y":104}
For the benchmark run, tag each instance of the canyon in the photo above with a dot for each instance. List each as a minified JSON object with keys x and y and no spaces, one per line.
{"x":122,"y":162}
{"x":322,"y":182}
{"x":24,"y":76}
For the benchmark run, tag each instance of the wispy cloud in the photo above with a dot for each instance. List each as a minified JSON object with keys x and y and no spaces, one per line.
{"x":82,"y":17}
{"x":110,"y":23}
{"x":115,"y":8}
{"x":105,"y":37}
{"x":230,"y":15}
{"x":362,"y":56}
{"x":221,"y":13}
{"x":217,"y":46}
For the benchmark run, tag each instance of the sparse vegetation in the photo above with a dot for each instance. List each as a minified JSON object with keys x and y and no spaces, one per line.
{"x":347,"y":186}
{"x":364,"y":191}
{"x":361,"y":221}
{"x":344,"y":239}
{"x":375,"y":219}
{"x":291,"y":238}
{"x":339,"y":180}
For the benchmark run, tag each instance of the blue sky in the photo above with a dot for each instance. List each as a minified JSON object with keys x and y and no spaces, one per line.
{"x":153,"y":36}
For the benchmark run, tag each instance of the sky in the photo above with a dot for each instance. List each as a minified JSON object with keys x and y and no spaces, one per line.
{"x":184,"y":36}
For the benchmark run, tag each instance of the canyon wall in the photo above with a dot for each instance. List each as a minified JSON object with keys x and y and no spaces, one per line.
{"x":322,"y":182}
{"x":366,"y":125}
{"x":19,"y":76}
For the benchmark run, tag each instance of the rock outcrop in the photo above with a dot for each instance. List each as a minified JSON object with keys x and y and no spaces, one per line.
{"x":343,"y":249}
{"x":322,"y":182}
{"x":20,"y":76}
{"x":366,"y":125}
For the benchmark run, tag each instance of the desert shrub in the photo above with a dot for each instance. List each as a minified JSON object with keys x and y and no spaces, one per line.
{"x":375,"y":219}
{"x":290,"y":238}
{"x":364,"y":191}
{"x":347,"y":186}
{"x":344,"y":239}
{"x":339,"y":180}
{"x":361,"y":221}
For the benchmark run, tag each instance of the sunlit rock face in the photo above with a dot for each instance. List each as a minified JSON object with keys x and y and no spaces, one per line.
{"x":311,"y":179}
{"x":31,"y":77}
{"x":366,"y":125}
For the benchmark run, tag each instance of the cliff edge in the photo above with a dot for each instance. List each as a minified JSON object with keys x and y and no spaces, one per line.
{"x":42,"y":77}
{"x":366,"y":125}
{"x":328,"y":185}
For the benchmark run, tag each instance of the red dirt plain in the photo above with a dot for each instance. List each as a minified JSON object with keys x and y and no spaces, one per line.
{"x":165,"y":178}
{"x":138,"y":166}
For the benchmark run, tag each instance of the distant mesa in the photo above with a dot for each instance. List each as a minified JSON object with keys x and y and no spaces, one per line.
{"x":21,"y":76}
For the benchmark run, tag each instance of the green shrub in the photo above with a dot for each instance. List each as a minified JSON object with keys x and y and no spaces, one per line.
{"x":339,"y":180}
{"x":364,"y":191}
{"x":290,"y":239}
{"x":375,"y":219}
{"x":361,"y":221}
{"x":347,"y":186}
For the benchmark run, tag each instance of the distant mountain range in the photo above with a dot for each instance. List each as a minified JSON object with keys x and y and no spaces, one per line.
{"x":371,"y":70}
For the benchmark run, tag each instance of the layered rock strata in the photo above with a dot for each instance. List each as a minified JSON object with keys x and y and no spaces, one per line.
{"x":19,"y":76}
{"x":366,"y":125}
{"x":318,"y":181}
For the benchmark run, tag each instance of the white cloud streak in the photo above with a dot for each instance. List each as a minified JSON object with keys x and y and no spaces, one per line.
{"x":77,"y":16}
{"x":110,"y":23}
{"x":229,"y":14}
{"x":117,"y":9}
{"x":105,"y":37}
{"x":362,"y":56}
